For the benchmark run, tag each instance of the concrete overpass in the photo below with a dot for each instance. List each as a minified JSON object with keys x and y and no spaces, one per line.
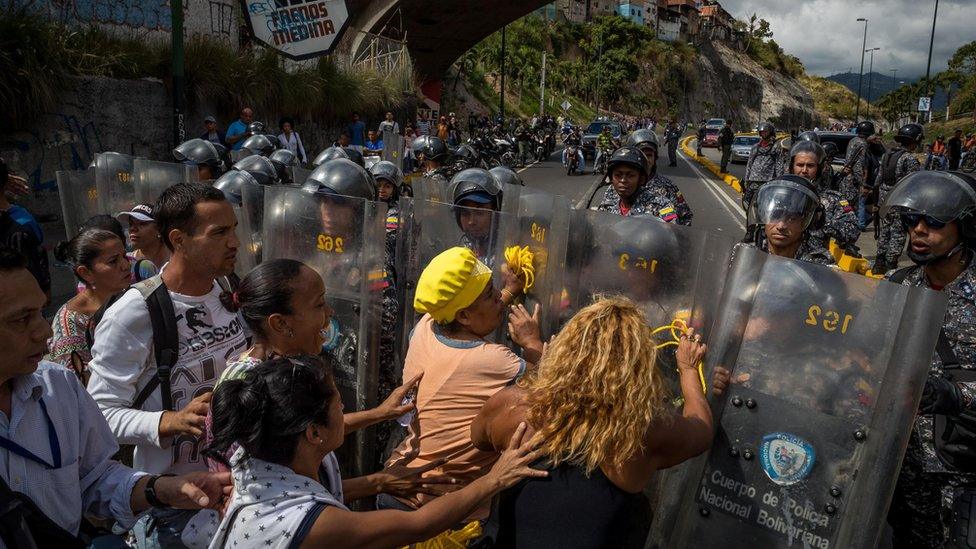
{"x":437,"y":33}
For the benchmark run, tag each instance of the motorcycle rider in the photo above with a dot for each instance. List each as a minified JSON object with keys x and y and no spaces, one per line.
{"x":807,"y":159}
{"x":523,"y":135}
{"x":764,"y":165}
{"x":787,"y":210}
{"x":937,"y":483}
{"x":574,"y":139}
{"x":937,"y":152}
{"x":667,"y":192}
{"x":895,"y":164}
{"x":605,"y":145}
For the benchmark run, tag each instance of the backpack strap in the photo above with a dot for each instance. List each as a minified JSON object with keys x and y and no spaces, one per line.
{"x":166,"y":347}
{"x":942,"y":346}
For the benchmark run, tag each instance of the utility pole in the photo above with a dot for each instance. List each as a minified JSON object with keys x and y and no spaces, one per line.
{"x":501,"y":106}
{"x":860,"y":77}
{"x":871,"y":79}
{"x":928,"y":66}
{"x":542,"y":93}
{"x":894,"y":82}
{"x":176,"y":38}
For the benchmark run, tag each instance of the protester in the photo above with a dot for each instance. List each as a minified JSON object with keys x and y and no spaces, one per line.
{"x":98,"y":260}
{"x":409,"y":158}
{"x":198,"y":226}
{"x":239,"y":130}
{"x":603,"y":361}
{"x":289,"y":139}
{"x":461,"y":368}
{"x":213,"y":134}
{"x":141,"y":268}
{"x":21,"y":236}
{"x":58,"y":450}
{"x":374,"y":143}
{"x":357,"y":132}
{"x":388,"y":125}
{"x":443,"y":129}
{"x":147,"y":243}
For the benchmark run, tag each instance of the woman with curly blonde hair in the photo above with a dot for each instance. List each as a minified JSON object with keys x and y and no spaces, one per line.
{"x":602,"y":415}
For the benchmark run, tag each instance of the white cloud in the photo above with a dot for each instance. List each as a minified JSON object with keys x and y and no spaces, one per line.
{"x":827,"y":37}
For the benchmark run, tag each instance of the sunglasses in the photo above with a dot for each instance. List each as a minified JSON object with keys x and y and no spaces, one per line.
{"x":910,"y":220}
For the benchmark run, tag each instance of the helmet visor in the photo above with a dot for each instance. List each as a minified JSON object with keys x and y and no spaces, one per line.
{"x":785,"y":201}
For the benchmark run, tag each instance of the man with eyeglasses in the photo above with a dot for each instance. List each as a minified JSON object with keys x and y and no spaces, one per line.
{"x":936,"y":487}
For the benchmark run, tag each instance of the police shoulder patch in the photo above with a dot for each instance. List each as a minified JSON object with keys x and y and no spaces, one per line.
{"x":786,"y":459}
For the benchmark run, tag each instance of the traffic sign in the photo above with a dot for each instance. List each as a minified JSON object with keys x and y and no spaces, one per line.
{"x":924,"y":104}
{"x":565,"y":105}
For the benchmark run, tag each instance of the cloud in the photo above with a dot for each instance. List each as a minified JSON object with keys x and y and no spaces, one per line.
{"x":826,"y":36}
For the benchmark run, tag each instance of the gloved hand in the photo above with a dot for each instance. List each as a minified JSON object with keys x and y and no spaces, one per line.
{"x":941,"y":396}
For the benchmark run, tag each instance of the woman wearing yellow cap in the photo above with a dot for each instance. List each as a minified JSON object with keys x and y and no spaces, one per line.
{"x":602,"y":413}
{"x":461,"y":368}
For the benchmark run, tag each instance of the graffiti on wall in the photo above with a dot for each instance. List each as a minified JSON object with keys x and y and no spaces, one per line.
{"x":72,"y":146}
{"x":135,"y":14}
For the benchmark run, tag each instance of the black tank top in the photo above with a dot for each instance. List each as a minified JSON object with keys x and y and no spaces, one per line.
{"x":567,"y":510}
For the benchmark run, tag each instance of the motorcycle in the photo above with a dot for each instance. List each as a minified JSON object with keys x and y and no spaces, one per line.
{"x":572,"y":159}
{"x":968,"y":164}
{"x":600,"y":164}
{"x":540,"y":147}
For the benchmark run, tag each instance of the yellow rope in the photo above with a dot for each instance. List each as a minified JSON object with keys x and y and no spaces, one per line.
{"x":519,"y":259}
{"x":676,"y":329}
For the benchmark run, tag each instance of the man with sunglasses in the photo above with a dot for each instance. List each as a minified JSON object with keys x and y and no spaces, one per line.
{"x":786,"y":210}
{"x":937,"y":483}
{"x":895,"y":164}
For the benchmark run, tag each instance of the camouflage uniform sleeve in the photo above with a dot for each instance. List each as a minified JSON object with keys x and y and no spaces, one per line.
{"x":678,"y":202}
{"x":841,"y":223}
{"x":909,"y":164}
{"x":752,"y":158}
{"x":779,"y":168}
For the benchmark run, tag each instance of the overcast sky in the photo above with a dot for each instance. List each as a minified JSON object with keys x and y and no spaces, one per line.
{"x":826,"y":37}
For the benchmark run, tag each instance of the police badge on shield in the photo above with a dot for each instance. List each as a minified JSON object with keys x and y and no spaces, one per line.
{"x":786,"y":459}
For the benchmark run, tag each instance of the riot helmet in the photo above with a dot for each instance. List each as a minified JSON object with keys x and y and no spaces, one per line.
{"x":476,"y":185}
{"x":830,"y":149}
{"x":642,"y":246}
{"x":231,"y":184}
{"x":355,"y":156}
{"x":643,"y":138}
{"x":865,"y":128}
{"x":910,"y":134}
{"x":282,"y":159}
{"x":465,"y":156}
{"x":808,"y":136}
{"x":628,"y":155}
{"x":385,"y":170}
{"x":341,"y":176}
{"x":256,"y":127}
{"x":262,"y":169}
{"x":198,"y":152}
{"x":429,"y":147}
{"x":258,"y":144}
{"x":505,"y":176}
{"x":939,"y":198}
{"x":766,"y":127}
{"x":790,"y":197}
{"x":329,"y":153}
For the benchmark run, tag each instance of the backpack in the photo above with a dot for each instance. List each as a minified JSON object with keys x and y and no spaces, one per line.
{"x":954,"y":437}
{"x":889,"y":166}
{"x":25,"y":526}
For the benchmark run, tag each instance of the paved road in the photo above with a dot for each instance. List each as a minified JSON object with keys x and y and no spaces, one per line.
{"x":715,"y":205}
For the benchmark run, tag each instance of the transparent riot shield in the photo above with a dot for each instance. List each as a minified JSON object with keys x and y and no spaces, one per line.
{"x":115,"y":182}
{"x":393,"y":148}
{"x":238,"y":155}
{"x":79,"y":198}
{"x":541,"y":224}
{"x":434,"y":189}
{"x":671,"y":271}
{"x":297,"y":175}
{"x":153,"y":177}
{"x":250,"y":217}
{"x":341,"y":238}
{"x":435,"y":227}
{"x":827,"y":369}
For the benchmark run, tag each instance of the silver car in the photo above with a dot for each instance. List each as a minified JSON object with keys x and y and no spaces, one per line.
{"x":742,"y":146}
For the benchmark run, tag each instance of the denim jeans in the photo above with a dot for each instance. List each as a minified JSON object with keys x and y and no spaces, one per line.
{"x":862,"y":213}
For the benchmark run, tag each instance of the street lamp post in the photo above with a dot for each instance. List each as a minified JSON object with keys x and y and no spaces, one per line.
{"x":871,"y":79}
{"x":860,"y":77}
{"x":176,"y":45}
{"x":928,"y":67}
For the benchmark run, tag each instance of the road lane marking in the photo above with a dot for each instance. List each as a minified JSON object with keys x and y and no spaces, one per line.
{"x":719,"y":194}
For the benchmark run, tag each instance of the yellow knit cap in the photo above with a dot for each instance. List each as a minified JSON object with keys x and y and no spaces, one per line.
{"x":451,"y":281}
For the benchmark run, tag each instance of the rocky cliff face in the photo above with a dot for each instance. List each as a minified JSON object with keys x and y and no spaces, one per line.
{"x":730,"y":84}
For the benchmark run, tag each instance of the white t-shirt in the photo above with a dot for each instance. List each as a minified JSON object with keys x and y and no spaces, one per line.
{"x":386,"y":125}
{"x":123,"y":363}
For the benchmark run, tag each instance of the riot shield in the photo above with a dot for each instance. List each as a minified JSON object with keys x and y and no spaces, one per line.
{"x":542,"y":225}
{"x":434,"y":227}
{"x":341,"y":238}
{"x":153,"y":177}
{"x":298,"y":175}
{"x":827,"y":369}
{"x":79,"y":198}
{"x":238,"y":155}
{"x":434,"y":189}
{"x":393,"y":148}
{"x":114,"y":180}
{"x":670,"y":271}
{"x":250,"y":216}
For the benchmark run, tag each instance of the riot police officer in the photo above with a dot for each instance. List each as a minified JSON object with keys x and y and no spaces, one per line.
{"x":476,"y":196}
{"x":764,"y":163}
{"x":666,"y":192}
{"x":506,"y":176}
{"x":433,"y":156}
{"x":854,"y":173}
{"x":895,"y":164}
{"x":786,"y":210}
{"x":807,"y":159}
{"x":937,"y":482}
{"x":207,"y":156}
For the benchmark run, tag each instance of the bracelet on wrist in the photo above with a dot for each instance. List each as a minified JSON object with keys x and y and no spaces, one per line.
{"x":150,"y":491}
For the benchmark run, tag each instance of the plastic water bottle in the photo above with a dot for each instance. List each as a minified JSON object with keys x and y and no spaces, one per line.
{"x":406,"y":419}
